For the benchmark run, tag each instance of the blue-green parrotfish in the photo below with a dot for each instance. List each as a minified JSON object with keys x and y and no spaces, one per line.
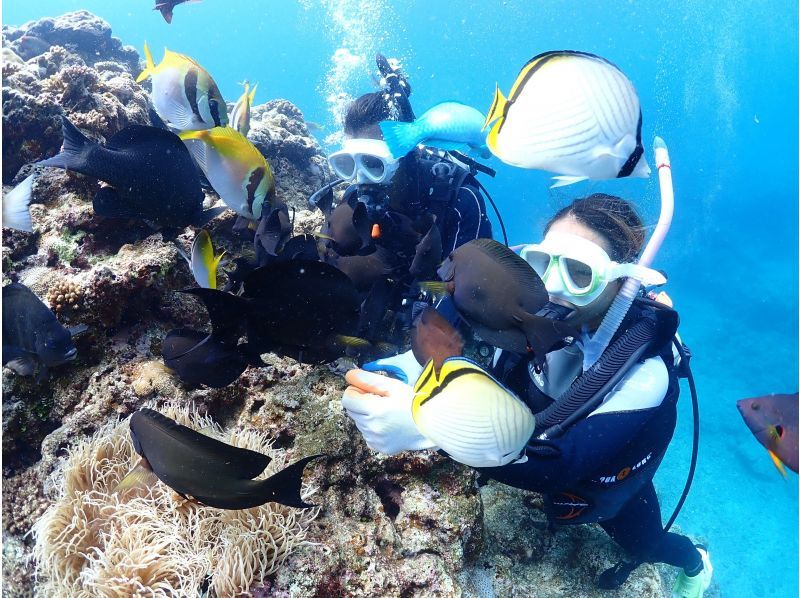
{"x":207,"y":470}
{"x":447,"y":126}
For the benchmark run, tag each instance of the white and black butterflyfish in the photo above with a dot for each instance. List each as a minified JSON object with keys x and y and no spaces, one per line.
{"x":184,"y":94}
{"x":571,"y":113}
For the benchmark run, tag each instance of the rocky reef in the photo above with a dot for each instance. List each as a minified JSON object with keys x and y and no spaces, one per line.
{"x":409,"y":525}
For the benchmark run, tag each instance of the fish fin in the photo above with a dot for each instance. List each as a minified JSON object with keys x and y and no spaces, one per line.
{"x":252,"y":94}
{"x":563,"y":181}
{"x":434,"y":287}
{"x":71,"y":155}
{"x":77,"y":329}
{"x":518,"y":267}
{"x":208,"y":215}
{"x":284,"y":487}
{"x":184,"y":255}
{"x":497,"y":108}
{"x":106,"y":202}
{"x":140,"y":475}
{"x":401,"y":137}
{"x":15,"y":206}
{"x":19,"y":361}
{"x":543,"y":334}
{"x":352,"y":342}
{"x":149,"y":64}
{"x":181,"y":116}
{"x":778,"y":463}
{"x":197,"y":148}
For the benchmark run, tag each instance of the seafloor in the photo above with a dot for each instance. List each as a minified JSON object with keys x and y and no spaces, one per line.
{"x":410,"y":525}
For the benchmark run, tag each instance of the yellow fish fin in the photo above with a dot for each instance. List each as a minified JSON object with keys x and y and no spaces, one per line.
{"x":253,"y":93}
{"x":201,"y":134}
{"x":320,"y":235}
{"x":425,"y":385}
{"x":778,"y":464}
{"x":434,"y":287}
{"x":491,"y":138}
{"x":497,"y":109}
{"x":149,"y":65}
{"x":140,"y":475}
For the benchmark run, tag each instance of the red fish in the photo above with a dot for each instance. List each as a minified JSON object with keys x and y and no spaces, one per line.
{"x":773,"y":421}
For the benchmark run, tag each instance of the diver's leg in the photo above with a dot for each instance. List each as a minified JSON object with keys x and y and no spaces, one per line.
{"x":638,"y":529}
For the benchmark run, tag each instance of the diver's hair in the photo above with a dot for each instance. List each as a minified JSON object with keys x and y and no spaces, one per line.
{"x":369,"y":109}
{"x":611,"y":216}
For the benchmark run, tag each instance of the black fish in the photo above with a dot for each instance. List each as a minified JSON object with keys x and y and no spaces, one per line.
{"x":349,"y":227}
{"x":149,"y":172}
{"x":498,"y":294}
{"x":166,"y":7}
{"x":363,"y":270}
{"x":305,"y":309}
{"x":272,"y":233}
{"x":428,"y":254}
{"x":31,"y":333}
{"x":209,"y":471}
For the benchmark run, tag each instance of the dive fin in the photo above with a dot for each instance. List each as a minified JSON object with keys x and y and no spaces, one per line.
{"x":401,"y":137}
{"x":563,"y":181}
{"x":140,"y":475}
{"x":15,"y":206}
{"x":497,"y":108}
{"x":75,"y":144}
{"x":149,"y":64}
{"x":284,"y":486}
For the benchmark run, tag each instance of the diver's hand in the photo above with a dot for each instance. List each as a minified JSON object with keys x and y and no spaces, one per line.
{"x":381,"y":409}
{"x":404,"y":367}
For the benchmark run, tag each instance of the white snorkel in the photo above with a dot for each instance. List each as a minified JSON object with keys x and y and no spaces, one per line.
{"x":594,"y":347}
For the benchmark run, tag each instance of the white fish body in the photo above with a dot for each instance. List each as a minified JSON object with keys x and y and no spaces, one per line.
{"x":203,"y":263}
{"x":574,"y":114}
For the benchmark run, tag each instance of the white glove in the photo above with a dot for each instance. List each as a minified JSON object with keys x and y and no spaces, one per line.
{"x":404,"y":367}
{"x":381,"y":409}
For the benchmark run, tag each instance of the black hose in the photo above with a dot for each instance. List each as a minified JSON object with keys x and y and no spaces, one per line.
{"x":496,"y":211}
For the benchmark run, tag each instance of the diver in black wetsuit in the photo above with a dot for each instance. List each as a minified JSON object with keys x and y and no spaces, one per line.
{"x":598,"y":468}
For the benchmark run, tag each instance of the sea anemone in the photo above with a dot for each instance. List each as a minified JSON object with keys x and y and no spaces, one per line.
{"x":94,"y":542}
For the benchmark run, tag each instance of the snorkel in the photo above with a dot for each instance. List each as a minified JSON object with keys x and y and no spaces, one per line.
{"x":594,"y":347}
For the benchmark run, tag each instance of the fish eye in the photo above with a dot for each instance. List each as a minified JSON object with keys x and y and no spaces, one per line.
{"x":779,"y":430}
{"x":755,"y":406}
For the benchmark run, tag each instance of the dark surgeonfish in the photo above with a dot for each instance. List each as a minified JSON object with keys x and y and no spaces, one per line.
{"x":348,"y":227}
{"x":304,"y":309}
{"x":32,"y":336}
{"x":209,"y":471}
{"x":166,"y":7}
{"x":773,"y":421}
{"x":148,"y":171}
{"x":427,"y":255}
{"x":498,"y":294}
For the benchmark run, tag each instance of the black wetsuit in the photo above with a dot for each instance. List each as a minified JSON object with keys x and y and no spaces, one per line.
{"x":601,"y":469}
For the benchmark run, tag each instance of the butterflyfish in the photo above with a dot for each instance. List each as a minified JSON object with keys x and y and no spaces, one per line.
{"x":240,"y":115}
{"x":572,"y":113}
{"x":184,"y":94}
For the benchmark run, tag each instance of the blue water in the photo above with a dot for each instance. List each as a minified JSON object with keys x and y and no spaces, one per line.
{"x":717,"y":80}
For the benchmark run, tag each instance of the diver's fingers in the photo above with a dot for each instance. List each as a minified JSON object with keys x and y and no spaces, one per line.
{"x":374,"y":383}
{"x":357,"y":402}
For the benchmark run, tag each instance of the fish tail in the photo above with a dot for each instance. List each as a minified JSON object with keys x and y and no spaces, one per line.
{"x":75,"y":144}
{"x":563,"y":180}
{"x":497,"y":108}
{"x":401,"y":137}
{"x":149,"y":65}
{"x":284,"y":487}
{"x":15,"y":206}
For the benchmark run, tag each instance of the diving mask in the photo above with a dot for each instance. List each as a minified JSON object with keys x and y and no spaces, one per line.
{"x":577,"y":270}
{"x":368,"y":161}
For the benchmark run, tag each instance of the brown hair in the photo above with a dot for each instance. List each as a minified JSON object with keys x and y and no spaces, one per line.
{"x":611,"y":216}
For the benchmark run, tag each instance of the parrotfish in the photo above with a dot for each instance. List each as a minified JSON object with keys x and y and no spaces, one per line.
{"x":235,"y":168}
{"x":572,"y":113}
{"x":32,"y":336}
{"x":207,"y":470}
{"x":240,"y":115}
{"x":448,"y":126}
{"x":498,"y":294}
{"x":184,"y":94}
{"x":773,"y":420}
{"x":148,"y":172}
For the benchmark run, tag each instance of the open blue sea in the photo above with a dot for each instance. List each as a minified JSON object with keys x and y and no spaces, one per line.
{"x":717,"y":80}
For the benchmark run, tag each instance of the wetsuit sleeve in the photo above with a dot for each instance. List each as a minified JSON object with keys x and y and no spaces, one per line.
{"x":469,"y":221}
{"x":598,"y":440}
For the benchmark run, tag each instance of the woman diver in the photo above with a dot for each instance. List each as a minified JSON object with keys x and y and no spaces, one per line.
{"x":600,"y":432}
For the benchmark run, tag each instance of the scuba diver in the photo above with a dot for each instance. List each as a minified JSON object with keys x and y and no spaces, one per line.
{"x":398,"y":218}
{"x":598,"y":428}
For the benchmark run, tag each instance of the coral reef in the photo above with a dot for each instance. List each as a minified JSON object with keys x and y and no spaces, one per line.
{"x":410,"y":525}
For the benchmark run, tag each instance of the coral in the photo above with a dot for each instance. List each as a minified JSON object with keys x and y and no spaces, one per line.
{"x":95,"y":542}
{"x":65,"y":295}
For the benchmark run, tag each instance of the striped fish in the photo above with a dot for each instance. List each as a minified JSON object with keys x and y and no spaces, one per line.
{"x":238,"y":172}
{"x":203,"y":263}
{"x":571,"y":113}
{"x":469,"y":414}
{"x":184,"y":94}
{"x":240,"y":115}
